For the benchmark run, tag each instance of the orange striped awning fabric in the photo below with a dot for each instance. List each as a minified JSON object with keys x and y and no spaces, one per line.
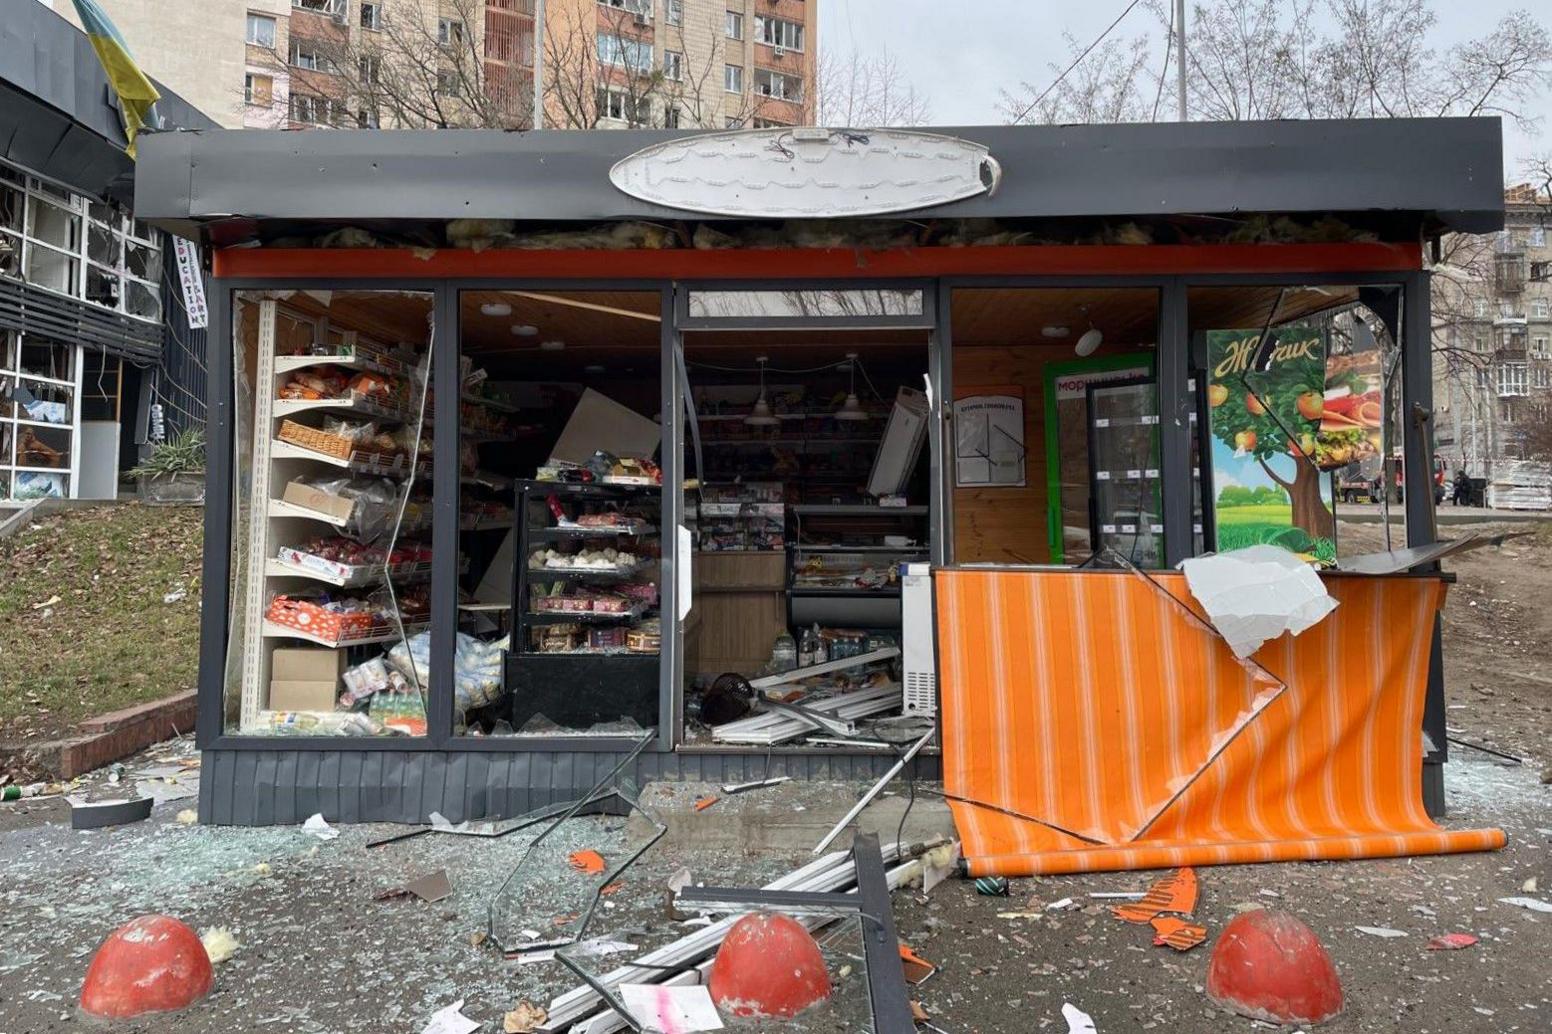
{"x":1095,"y":721}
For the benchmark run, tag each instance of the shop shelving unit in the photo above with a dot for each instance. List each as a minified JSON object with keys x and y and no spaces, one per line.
{"x":273,"y":522}
{"x":581,"y":687}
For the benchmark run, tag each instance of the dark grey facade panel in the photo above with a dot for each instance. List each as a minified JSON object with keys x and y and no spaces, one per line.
{"x":284,"y":787}
{"x":181,"y":374}
{"x":1450,"y":169}
{"x":57,"y":117}
{"x":33,"y":311}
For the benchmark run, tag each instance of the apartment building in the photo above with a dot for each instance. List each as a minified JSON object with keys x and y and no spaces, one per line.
{"x":424,"y":63}
{"x":1492,"y":327}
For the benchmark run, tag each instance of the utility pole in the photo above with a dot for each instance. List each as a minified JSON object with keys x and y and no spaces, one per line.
{"x":538,"y":63}
{"x":1180,"y":54}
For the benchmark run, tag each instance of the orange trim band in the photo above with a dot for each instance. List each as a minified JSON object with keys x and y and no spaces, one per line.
{"x":734,"y":264}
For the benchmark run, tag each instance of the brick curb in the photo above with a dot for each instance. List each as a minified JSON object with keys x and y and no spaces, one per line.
{"x":114,"y":736}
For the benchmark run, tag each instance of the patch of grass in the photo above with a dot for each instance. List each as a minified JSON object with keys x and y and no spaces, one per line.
{"x":1259,"y":513}
{"x":109,"y":640}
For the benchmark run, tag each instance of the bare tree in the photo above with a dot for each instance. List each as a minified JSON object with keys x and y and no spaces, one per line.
{"x":469,"y":64}
{"x":423,"y":67}
{"x":1270,"y":59}
{"x":860,"y":90}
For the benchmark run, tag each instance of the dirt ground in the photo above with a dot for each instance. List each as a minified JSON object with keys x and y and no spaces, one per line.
{"x":318,"y":954}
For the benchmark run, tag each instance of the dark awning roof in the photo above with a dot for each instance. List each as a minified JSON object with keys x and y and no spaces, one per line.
{"x":57,"y":116}
{"x":1447,"y":171}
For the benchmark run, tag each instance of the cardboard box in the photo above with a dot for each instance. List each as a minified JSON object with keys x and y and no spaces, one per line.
{"x":306,"y":664}
{"x":302,"y":696}
{"x":311,"y":498}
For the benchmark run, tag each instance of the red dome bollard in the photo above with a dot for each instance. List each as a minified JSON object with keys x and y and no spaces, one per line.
{"x":1269,"y":966}
{"x":150,"y":964}
{"x":768,"y":965}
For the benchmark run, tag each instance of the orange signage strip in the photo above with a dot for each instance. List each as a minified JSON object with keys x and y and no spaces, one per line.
{"x":1064,"y":260}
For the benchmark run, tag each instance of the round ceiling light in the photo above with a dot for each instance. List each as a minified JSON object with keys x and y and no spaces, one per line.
{"x":1088,"y":343}
{"x":496,"y":309}
{"x":552,"y":346}
{"x":1055,"y":330}
{"x":524,"y":329}
{"x":592,"y":368}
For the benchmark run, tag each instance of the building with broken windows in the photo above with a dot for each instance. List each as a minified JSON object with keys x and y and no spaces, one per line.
{"x":1492,"y":332}
{"x":97,"y":355}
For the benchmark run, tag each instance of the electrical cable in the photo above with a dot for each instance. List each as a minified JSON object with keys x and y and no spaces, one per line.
{"x":1031,"y":105}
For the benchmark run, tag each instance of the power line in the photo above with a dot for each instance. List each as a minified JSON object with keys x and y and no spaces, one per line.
{"x":1031,"y":105}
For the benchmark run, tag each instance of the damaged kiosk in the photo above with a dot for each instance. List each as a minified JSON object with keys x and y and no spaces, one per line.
{"x":523,"y":445}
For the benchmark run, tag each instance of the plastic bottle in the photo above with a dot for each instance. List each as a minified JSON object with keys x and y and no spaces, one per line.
{"x":808,"y":649}
{"x":15,"y":793}
{"x":821,"y":647}
{"x":784,"y":654}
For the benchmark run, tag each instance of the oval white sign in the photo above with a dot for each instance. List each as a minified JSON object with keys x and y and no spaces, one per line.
{"x":808,"y":173}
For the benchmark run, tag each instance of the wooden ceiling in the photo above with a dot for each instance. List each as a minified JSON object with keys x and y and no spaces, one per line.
{"x":597,"y":326}
{"x":1125,"y":315}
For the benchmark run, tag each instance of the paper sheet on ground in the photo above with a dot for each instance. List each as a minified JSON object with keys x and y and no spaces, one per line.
{"x":451,"y":1020}
{"x":673,"y":1010}
{"x":1255,"y":594}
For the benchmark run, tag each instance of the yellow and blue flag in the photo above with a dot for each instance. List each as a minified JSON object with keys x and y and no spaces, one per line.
{"x":137,"y":97}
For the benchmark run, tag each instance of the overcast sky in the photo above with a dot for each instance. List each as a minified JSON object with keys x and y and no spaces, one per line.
{"x":960,"y":54}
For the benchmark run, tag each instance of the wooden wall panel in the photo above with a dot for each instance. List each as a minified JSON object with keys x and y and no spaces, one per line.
{"x":1007,"y":525}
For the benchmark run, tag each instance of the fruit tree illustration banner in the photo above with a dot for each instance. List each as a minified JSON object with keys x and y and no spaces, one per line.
{"x":1266,"y":415}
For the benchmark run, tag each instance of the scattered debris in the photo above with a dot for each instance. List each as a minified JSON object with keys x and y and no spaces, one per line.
{"x":758,"y":784}
{"x":429,"y":888}
{"x":992,"y":886}
{"x":917,"y":969}
{"x":1166,"y":907}
{"x":46,"y":603}
{"x":1078,"y":1021}
{"x":262,"y":869}
{"x":1121,"y":895}
{"x":702,"y":803}
{"x":99,"y":814}
{"x":676,"y":1008}
{"x":1529,"y":886}
{"x":677,"y":963}
{"x":877,"y":788}
{"x":219,"y":944}
{"x":187,"y":817}
{"x":1058,"y":905}
{"x":316,"y":826}
{"x":451,"y":1020}
{"x":590,"y":862}
{"x":1173,"y":893}
{"x":1177,"y":933}
{"x":525,"y":1019}
{"x":938,"y":865}
{"x":1452,"y":941}
{"x":1380,"y":931}
{"x":1534,"y":904}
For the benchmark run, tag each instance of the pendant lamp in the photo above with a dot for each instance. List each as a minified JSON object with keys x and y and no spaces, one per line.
{"x":760,"y":415}
{"x":851,"y":409}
